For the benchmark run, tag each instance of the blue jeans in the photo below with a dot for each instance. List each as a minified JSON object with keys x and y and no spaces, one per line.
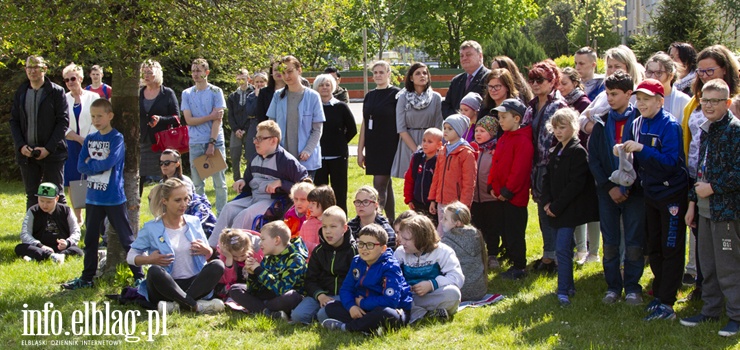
{"x":309,"y":309}
{"x":564,"y":251}
{"x":548,"y":233}
{"x":631,"y":215}
{"x":219,"y":178}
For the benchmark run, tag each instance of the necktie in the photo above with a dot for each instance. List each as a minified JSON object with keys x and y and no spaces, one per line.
{"x":470,"y":79}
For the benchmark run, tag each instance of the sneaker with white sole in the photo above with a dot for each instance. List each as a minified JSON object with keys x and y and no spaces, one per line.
{"x":210,"y":306}
{"x":438,"y":314}
{"x":662,"y":312}
{"x":610,"y":298}
{"x":276,"y":315}
{"x":333,"y":324}
{"x":592,"y":258}
{"x":57,"y":258}
{"x":633,"y":299}
{"x":168,"y":307}
{"x":730,"y":329}
{"x":654,"y":304}
{"x":580,"y":257}
{"x":696,"y":320}
{"x":27,"y":258}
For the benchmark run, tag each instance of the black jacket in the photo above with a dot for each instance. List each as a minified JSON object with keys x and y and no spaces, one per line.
{"x":263,"y":102}
{"x":238,"y":115}
{"x":52,"y":121}
{"x":339,"y":129}
{"x":457,"y":90}
{"x":329,"y":266}
{"x":165,"y":106}
{"x":569,"y":187}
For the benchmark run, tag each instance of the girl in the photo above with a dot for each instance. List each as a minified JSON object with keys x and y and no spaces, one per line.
{"x":468,"y":244}
{"x":274,"y":82}
{"x":296,"y":214}
{"x":234,"y":247}
{"x":684,"y":54}
{"x":484,"y":203}
{"x":436,"y":291}
{"x":319,"y":199}
{"x":175,"y":247}
{"x":500,"y":85}
{"x":506,"y":63}
{"x":454,"y":175}
{"x":470,"y":107}
{"x":368,"y":212}
{"x":661,"y":67}
{"x":572,"y":90}
{"x":569,"y":195}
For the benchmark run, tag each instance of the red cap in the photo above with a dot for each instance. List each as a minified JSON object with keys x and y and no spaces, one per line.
{"x":651,"y":87}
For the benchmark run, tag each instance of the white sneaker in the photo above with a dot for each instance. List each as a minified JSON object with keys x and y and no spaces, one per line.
{"x":57,"y":258}
{"x":168,"y":307}
{"x":580,"y":257}
{"x":593,"y":258}
{"x":27,"y":258}
{"x":210,"y":306}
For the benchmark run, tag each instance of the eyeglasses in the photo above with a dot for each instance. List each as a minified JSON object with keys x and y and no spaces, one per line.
{"x":367,"y":245}
{"x":67,"y":80}
{"x":654,"y":73}
{"x":539,"y":80}
{"x":34,"y":67}
{"x":166,"y":162}
{"x":708,"y":72}
{"x":712,"y":102}
{"x":259,"y":139}
{"x":495,"y":87}
{"x":363,"y":203}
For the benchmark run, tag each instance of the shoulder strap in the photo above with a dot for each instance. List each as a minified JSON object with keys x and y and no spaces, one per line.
{"x":105,"y":91}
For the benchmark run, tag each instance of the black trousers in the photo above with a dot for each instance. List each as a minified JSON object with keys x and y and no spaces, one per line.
{"x":666,"y":235}
{"x":484,"y":218}
{"x":34,"y":172}
{"x":39,"y":254}
{"x":334,"y":170}
{"x":95,"y":218}
{"x":511,"y":225}
{"x":379,"y":316}
{"x":161,"y":286}
{"x":257,"y":303}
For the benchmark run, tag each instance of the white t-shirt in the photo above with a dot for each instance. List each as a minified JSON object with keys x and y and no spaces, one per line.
{"x":183,"y":266}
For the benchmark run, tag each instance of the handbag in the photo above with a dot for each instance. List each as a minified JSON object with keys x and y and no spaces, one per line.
{"x":78,"y":193}
{"x":173,"y":138}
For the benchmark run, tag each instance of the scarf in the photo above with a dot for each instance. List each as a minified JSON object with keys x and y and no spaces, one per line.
{"x":685,"y":82}
{"x":242,"y":96}
{"x":489,"y":145}
{"x":573,"y":96}
{"x":611,"y":127}
{"x":451,"y":147}
{"x":417,"y":101}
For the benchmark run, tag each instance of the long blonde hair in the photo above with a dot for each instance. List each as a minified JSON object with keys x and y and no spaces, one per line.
{"x":160,"y":192}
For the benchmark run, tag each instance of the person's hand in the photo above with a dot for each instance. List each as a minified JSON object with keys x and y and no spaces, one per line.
{"x":228,"y":258}
{"x":47,"y":249}
{"x":26,"y":151}
{"x":360,"y":159}
{"x":217,"y":115}
{"x":548,"y":212}
{"x":239,"y":133}
{"x":632,"y":146}
{"x":617,"y":195}
{"x":210,"y":150}
{"x":153,"y":120}
{"x":238,"y":185}
{"x":198,"y":247}
{"x":61,"y":244}
{"x":690,"y":213}
{"x":615,"y":149}
{"x":356,"y":312}
{"x":411,"y":206}
{"x":304,"y":156}
{"x":703,"y":189}
{"x":155,"y":258}
{"x":251,"y":264}
{"x":422,"y":288}
{"x":324,"y":299}
{"x":358,"y":300}
{"x":273,"y":186}
{"x":433,"y":208}
{"x":500,"y":197}
{"x":44,"y":153}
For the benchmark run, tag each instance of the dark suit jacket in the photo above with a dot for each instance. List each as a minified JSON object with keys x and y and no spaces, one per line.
{"x":457,"y":90}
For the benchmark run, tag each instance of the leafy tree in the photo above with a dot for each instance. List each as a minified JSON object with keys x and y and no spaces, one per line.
{"x":515,"y":44}
{"x":594,"y":23}
{"x":552,"y":27}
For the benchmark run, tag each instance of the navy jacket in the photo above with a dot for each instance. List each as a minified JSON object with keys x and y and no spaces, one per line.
{"x":381,"y":284}
{"x":601,"y":158}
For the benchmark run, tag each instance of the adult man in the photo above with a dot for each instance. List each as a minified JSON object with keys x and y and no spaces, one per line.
{"x":471,"y":60}
{"x":241,"y":105}
{"x":98,"y":86}
{"x":38,"y":121}
{"x":339,"y":93}
{"x":586,"y":66}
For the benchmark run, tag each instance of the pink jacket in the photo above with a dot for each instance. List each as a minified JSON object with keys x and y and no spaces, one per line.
{"x":310,"y":234}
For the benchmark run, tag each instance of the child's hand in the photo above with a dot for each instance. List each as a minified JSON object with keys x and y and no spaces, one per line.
{"x":689,"y":218}
{"x":251,"y":265}
{"x":61,"y":244}
{"x":198,"y":247}
{"x":615,"y":149}
{"x":703,"y":189}
{"x":210,"y":150}
{"x":155,"y":258}
{"x":500,"y":197}
{"x":356,"y":312}
{"x":324,"y":299}
{"x":548,"y":212}
{"x":632,"y":146}
{"x":422,"y":288}
{"x":47,"y":248}
{"x":358,"y":300}
{"x":617,"y":195}
{"x":411,"y":206}
{"x":273,"y":186}
{"x":433,"y":208}
{"x":238,"y":185}
{"x":228,"y":258}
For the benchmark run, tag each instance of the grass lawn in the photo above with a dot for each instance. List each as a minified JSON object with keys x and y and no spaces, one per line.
{"x":529,"y":317}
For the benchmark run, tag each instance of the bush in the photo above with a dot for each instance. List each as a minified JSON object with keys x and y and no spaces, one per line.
{"x":518,"y":46}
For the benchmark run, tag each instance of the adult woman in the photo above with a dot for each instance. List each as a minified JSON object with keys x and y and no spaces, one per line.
{"x":418,"y":108}
{"x":378,"y":137}
{"x":176,"y":249}
{"x":368,"y":212}
{"x":685,"y":57}
{"x":525,"y":92}
{"x":339,"y":129}
{"x":260,"y":81}
{"x":274,"y":82}
{"x":80,"y":124}
{"x":662,"y":68}
{"x":297,"y":110}
{"x":158,"y":110}
{"x":500,"y":85}
{"x":572,"y":90}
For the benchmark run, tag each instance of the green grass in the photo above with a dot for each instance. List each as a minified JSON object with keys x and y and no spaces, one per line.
{"x":529,"y":317}
{"x":356,"y":139}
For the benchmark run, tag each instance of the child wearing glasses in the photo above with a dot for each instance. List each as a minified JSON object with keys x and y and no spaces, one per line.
{"x":374,"y":293}
{"x":367,"y":209}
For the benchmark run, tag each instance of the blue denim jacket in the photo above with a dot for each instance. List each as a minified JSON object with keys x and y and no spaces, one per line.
{"x":311,"y":111}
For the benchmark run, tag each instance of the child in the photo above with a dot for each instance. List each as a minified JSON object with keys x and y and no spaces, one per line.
{"x":319,"y":198}
{"x":486,"y":136}
{"x":374,"y":293}
{"x":101,"y":159}
{"x":468,"y":244}
{"x":296,"y":214}
{"x":716,"y":200}
{"x":470,"y":107}
{"x":509,"y":182}
{"x":234,"y":247}
{"x":366,"y":207}
{"x":454,"y":176}
{"x":569,"y":194}
{"x":430,"y":268}
{"x":50,"y":228}
{"x":655,"y":139}
{"x":621,"y":208}
{"x":328,"y":267}
{"x":275,"y":285}
{"x":418,"y":178}
{"x":98,"y":86}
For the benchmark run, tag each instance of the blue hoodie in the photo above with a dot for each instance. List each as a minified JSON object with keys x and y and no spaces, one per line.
{"x":104,"y":168}
{"x":661,"y":164}
{"x":381,"y":284}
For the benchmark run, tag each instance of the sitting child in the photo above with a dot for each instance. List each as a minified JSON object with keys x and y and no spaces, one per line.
{"x":375,"y":292}
{"x":50,"y":228}
{"x":431,"y":269}
{"x":328,"y":267}
{"x":275,"y":286}
{"x":470,"y":248}
{"x":319,"y":198}
{"x":296,"y":214}
{"x":368,"y":212}
{"x":418,"y":178}
{"x":234,"y":247}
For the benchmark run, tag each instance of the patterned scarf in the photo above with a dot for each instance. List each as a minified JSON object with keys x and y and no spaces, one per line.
{"x":685,"y":82}
{"x":417,"y":101}
{"x":573,"y":96}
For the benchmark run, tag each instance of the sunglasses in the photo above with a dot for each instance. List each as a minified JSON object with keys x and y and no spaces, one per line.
{"x":166,"y":162}
{"x":67,"y":80}
{"x":539,"y":80}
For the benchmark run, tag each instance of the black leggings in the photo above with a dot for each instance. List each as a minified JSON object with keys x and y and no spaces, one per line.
{"x":258,"y":302}
{"x":39,"y":254}
{"x":336,"y":171}
{"x":162,"y":287}
{"x":386,"y":201}
{"x":379,"y":316}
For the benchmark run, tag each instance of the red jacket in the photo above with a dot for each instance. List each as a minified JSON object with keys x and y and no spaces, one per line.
{"x":454,"y":176}
{"x":511,"y":167}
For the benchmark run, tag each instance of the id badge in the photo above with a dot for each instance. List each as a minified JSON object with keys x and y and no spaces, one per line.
{"x":370,"y":123}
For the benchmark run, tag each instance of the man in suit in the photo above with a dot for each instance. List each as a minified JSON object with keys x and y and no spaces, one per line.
{"x":471,"y":60}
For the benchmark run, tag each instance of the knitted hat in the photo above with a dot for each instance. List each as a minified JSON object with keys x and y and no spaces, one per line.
{"x":47,"y":190}
{"x":472,"y":100}
{"x":490,"y":124}
{"x":459,"y":123}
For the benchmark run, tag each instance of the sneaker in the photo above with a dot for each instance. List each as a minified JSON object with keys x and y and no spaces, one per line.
{"x":333,"y":324}
{"x":563,"y":300}
{"x":513,"y":274}
{"x":493,"y":264}
{"x":438,"y":314}
{"x":653,"y":305}
{"x":730,"y":329}
{"x":137,"y":282}
{"x":210,"y":306}
{"x":593,"y":258}
{"x":168,"y":307}
{"x":276,"y":315}
{"x":233,"y":305}
{"x":610,"y":298}
{"x":548,"y":268}
{"x":57,"y":258}
{"x":77,"y":283}
{"x":694,"y":321}
{"x":580,"y":257}
{"x":688,"y":279}
{"x":662,"y":312}
{"x":27,"y":258}
{"x":633,"y":299}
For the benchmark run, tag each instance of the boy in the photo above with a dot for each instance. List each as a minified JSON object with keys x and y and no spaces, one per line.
{"x":98,"y":86}
{"x":319,"y":198}
{"x":509,"y":182}
{"x":101,"y":159}
{"x":418,"y":178}
{"x":375,"y":292}
{"x":655,"y":139}
{"x":203,"y":108}
{"x":619,"y":206}
{"x":239,"y":104}
{"x":585,"y":60}
{"x":274,"y":286}
{"x":716,"y":200}
{"x":328,"y":266}
{"x":49,"y":229}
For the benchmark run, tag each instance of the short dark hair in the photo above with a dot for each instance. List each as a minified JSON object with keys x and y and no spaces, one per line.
{"x":104,"y":104}
{"x":619,"y":80}
{"x":330,"y":70}
{"x":587,"y":50}
{"x":408,"y":84}
{"x":686,"y":53}
{"x":323,"y":195}
{"x":376,"y":231}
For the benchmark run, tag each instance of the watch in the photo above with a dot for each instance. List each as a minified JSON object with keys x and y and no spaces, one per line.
{"x":212,"y":141}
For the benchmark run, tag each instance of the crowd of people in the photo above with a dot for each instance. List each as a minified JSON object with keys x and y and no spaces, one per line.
{"x":632,"y":158}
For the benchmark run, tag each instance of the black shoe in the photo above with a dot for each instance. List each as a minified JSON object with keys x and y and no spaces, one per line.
{"x":548,"y":268}
{"x":438,"y":314}
{"x":514,"y":274}
{"x":688,"y":279}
